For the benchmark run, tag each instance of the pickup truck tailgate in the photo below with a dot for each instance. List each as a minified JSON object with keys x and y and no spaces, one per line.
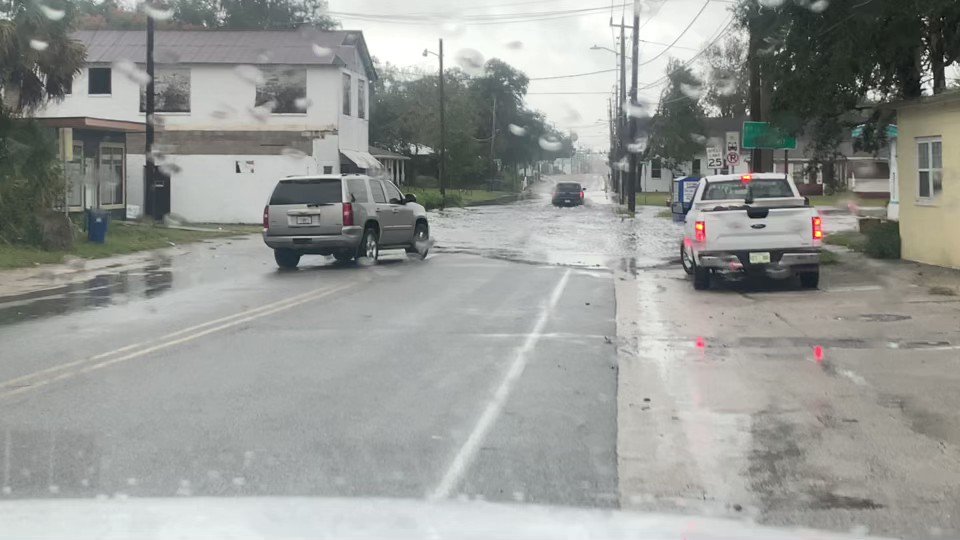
{"x":759,"y":228}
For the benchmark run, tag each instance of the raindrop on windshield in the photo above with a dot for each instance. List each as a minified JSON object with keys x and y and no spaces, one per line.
{"x":130,"y":70}
{"x":157,"y":14}
{"x":698,"y":138}
{"x":470,"y":60}
{"x":262,"y":112}
{"x":224,"y":111}
{"x":623,"y":164}
{"x":771,"y":3}
{"x":170,"y":168}
{"x":550,"y":144}
{"x":249,"y":73}
{"x":726,"y":85}
{"x":451,"y":28}
{"x":51,"y":13}
{"x":322,"y":51}
{"x":635,"y":110}
{"x":155,"y":121}
{"x":691,"y":91}
{"x":293,"y":153}
{"x":519,"y":131}
{"x":637,"y":146}
{"x":302,"y":103}
{"x":819,"y":6}
{"x":38,"y":45}
{"x":515,"y":45}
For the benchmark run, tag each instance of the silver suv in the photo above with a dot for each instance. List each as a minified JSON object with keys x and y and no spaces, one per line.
{"x":347,"y":216}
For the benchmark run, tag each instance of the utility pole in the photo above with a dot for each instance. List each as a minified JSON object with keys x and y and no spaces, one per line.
{"x":622,"y":99}
{"x":443,"y":132}
{"x":149,"y":170}
{"x":632,"y":175}
{"x":493,"y":140}
{"x":760,"y":160}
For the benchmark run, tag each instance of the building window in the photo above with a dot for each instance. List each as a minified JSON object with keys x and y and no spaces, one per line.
{"x":328,"y":169}
{"x":281,"y":89}
{"x":930,"y":167}
{"x":696,"y":167}
{"x":655,"y":168}
{"x":110,"y":174}
{"x":68,"y":87}
{"x":347,"y":87}
{"x":361,"y":98}
{"x":171,"y":91}
{"x":99,"y":81}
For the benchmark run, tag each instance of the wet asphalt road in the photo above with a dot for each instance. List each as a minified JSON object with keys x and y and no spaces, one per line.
{"x":213,"y":373}
{"x":539,"y":355}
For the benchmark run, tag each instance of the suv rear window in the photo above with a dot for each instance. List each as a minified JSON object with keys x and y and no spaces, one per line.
{"x":568,"y":186}
{"x":761,"y":188}
{"x":307,"y":192}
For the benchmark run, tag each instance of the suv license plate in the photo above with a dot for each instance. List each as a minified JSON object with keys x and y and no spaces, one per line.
{"x":304,"y":220}
{"x":566,"y":200}
{"x":760,"y":257}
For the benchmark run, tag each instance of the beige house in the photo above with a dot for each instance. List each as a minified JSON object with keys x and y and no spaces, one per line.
{"x":929,"y":175}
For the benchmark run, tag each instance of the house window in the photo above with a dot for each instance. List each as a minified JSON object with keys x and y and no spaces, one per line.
{"x":110,"y":174}
{"x":328,"y":169}
{"x":282,"y":87}
{"x":655,"y":168}
{"x":361,"y":98}
{"x":347,"y":86}
{"x":171,"y":91}
{"x":99,"y":81}
{"x":696,"y":167}
{"x":930,"y":167}
{"x":68,"y":87}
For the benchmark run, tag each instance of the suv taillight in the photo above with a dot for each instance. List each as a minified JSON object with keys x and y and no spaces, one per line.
{"x":581,"y":194}
{"x":700,"y":228}
{"x":817,"y":228}
{"x":347,"y":214}
{"x":266,"y":217}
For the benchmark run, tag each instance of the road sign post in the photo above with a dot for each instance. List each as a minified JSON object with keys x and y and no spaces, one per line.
{"x":714,"y":158}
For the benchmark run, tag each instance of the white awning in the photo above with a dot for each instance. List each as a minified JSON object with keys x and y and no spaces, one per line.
{"x":362,"y":159}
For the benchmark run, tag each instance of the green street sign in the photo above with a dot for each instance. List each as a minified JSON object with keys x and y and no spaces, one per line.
{"x":763,"y":135}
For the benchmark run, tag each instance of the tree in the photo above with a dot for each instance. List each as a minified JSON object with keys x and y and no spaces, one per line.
{"x":678,"y":121}
{"x":38,"y":60}
{"x":726,"y":94}
{"x":275,"y":14}
{"x":188,"y":14}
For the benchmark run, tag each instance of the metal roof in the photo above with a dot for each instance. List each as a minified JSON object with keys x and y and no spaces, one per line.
{"x":303,"y":46}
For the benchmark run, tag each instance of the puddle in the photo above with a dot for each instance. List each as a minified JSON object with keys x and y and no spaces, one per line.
{"x":100,"y":291}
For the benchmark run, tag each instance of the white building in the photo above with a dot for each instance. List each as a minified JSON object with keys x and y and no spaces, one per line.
{"x":236,"y":111}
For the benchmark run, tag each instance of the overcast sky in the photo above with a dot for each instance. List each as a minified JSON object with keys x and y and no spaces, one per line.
{"x":550,"y":47}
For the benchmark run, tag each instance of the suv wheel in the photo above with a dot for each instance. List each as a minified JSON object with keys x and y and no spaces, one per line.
{"x":369,"y":246}
{"x":421,"y":237}
{"x":286,"y":258}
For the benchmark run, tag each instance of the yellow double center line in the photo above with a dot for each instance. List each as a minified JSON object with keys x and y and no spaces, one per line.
{"x":38,"y":379}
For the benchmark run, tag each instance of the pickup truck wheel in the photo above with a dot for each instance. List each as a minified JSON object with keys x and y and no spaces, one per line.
{"x":701,"y":278}
{"x":286,"y":258}
{"x":685,"y":260}
{"x":810,"y":280}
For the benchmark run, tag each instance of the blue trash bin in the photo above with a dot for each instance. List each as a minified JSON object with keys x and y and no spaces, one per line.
{"x":97,"y":226}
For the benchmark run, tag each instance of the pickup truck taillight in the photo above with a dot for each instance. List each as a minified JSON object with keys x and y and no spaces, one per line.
{"x":266,"y":217}
{"x":700,"y":228}
{"x":817,"y":228}
{"x":347,"y":214}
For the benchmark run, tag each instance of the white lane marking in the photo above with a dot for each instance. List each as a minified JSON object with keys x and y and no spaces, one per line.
{"x":466,"y":454}
{"x":165,"y":342}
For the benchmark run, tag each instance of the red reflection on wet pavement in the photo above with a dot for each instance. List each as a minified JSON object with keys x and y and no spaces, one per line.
{"x":701,"y":343}
{"x":818,"y":353}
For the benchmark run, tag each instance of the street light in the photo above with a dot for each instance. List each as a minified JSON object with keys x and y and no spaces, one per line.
{"x":443,"y":126}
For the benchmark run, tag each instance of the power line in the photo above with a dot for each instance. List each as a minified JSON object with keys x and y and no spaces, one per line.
{"x":572,"y":75}
{"x":697,"y":16}
{"x":500,"y":18}
{"x":692,"y":59}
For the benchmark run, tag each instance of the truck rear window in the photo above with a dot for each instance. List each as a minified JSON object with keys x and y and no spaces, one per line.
{"x":568,"y":186}
{"x":761,"y":188}
{"x":307,"y":192}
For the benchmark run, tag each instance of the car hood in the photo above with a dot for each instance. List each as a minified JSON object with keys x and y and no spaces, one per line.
{"x":291,"y":517}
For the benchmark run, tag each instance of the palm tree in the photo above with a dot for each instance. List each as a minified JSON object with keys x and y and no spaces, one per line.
{"x":38,"y":60}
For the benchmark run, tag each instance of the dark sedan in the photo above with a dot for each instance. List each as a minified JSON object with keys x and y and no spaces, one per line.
{"x":568,"y":194}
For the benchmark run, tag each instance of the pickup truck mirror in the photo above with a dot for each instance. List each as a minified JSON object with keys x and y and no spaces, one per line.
{"x":677,"y":208}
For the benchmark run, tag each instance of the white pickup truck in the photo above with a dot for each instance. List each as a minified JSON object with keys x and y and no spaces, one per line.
{"x":755,"y":223}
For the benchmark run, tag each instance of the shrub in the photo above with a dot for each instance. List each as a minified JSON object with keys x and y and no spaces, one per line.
{"x":31,"y":181}
{"x":883,"y":240}
{"x":431,"y":199}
